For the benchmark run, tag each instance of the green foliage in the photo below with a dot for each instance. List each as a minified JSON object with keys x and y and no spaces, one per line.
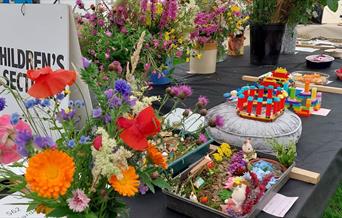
{"x":224,"y":194}
{"x":285,"y":154}
{"x":332,"y":4}
{"x":334,"y":208}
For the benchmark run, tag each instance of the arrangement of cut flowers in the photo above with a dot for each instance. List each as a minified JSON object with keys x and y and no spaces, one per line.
{"x":230,"y":181}
{"x":78,"y":164}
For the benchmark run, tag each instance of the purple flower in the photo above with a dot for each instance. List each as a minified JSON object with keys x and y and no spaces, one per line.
{"x":79,"y":201}
{"x":130,"y":101}
{"x":107,"y":118}
{"x":143,"y":5}
{"x":66,"y":115}
{"x":185,"y":91}
{"x":219,"y":120}
{"x":237,"y":164}
{"x":202,"y":101}
{"x":154,"y":8}
{"x":202,"y":138}
{"x":114,"y":102}
{"x":97,"y":112}
{"x":84,"y":139}
{"x":101,"y":22}
{"x":143,"y":188}
{"x":109,"y":93}
{"x":44,"y":142}
{"x":85,"y":62}
{"x":122,"y":87}
{"x":2,"y":104}
{"x":22,"y":138}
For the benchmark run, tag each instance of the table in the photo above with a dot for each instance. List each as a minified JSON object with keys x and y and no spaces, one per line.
{"x":319,"y":148}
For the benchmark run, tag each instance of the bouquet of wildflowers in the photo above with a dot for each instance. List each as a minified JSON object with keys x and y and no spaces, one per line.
{"x":236,"y":19}
{"x":117,"y":149}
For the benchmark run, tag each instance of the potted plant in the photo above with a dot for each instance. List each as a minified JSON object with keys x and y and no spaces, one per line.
{"x":237,"y":20}
{"x":204,"y":41}
{"x":301,"y":13}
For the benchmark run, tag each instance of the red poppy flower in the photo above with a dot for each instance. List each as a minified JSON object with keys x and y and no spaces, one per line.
{"x":48,"y":83}
{"x":135,"y":131}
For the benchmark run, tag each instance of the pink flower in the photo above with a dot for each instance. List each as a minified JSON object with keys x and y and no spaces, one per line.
{"x":8,"y":147}
{"x":109,"y":33}
{"x":230,"y":183}
{"x":147,"y":67}
{"x":179,"y":54}
{"x":79,"y":201}
{"x":219,"y":121}
{"x":202,"y":138}
{"x":202,"y":101}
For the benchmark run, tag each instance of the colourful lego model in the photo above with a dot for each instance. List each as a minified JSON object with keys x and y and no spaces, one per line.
{"x":303,"y":102}
{"x":279,"y":78}
{"x":261,"y":103}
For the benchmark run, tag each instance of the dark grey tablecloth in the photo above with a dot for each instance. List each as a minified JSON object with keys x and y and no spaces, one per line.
{"x":319,"y":148}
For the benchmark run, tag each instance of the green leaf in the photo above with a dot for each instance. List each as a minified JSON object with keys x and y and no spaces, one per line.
{"x":333,"y":5}
{"x":145,"y":178}
{"x":31,"y":207}
{"x":90,"y":215}
{"x":59,"y":212}
{"x":224,"y":194}
{"x":161,"y":183}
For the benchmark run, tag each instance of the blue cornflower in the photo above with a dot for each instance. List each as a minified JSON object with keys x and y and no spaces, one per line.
{"x":22,"y":139}
{"x":79,"y":103}
{"x":2,"y":103}
{"x":37,"y":101}
{"x":29,"y":103}
{"x":45,"y":103}
{"x":71,"y":143}
{"x":122,"y":87}
{"x":97,"y":112}
{"x":44,"y":142}
{"x":60,"y":96}
{"x":71,"y":104}
{"x":15,"y":117}
{"x":84,"y":139}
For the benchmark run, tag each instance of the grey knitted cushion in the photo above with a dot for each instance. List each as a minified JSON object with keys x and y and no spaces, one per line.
{"x":236,"y":129}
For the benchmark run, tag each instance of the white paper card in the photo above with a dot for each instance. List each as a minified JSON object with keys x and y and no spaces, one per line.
{"x":322,"y":112}
{"x":191,"y":124}
{"x":279,"y":205}
{"x":305,"y":49}
{"x":7,"y":209}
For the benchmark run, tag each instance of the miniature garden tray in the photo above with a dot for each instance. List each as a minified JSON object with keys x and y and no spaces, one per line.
{"x":314,"y":77}
{"x":190,"y":158}
{"x":193,"y":209}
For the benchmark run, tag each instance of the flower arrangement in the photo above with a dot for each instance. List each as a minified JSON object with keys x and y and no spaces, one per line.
{"x":237,"y":19}
{"x":79,"y":165}
{"x":227,"y":182}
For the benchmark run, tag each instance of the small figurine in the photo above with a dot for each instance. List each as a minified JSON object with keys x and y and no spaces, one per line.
{"x":232,"y":96}
{"x":193,"y":197}
{"x":248,"y":151}
{"x":237,"y":198}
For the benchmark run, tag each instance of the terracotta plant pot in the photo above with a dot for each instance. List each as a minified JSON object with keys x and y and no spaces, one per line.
{"x":236,"y":45}
{"x":207,"y":63}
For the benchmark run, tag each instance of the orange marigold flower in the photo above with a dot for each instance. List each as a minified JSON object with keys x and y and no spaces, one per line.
{"x":50,"y":173}
{"x":128,"y":184}
{"x":156,"y":156}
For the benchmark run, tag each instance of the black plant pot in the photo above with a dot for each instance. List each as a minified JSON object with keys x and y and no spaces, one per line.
{"x":266,"y":43}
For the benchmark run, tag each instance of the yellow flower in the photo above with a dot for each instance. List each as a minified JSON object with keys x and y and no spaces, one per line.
{"x":180,"y":40}
{"x":226,"y":149}
{"x":41,"y":208}
{"x":199,"y":56}
{"x":50,"y":173}
{"x":67,"y":91}
{"x":159,"y":8}
{"x":167,"y":36}
{"x":172,"y":30}
{"x":128,"y":185}
{"x":187,"y":59}
{"x":187,"y":51}
{"x":237,"y":180}
{"x":217,"y":157}
{"x":219,"y":150}
{"x":235,"y":8}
